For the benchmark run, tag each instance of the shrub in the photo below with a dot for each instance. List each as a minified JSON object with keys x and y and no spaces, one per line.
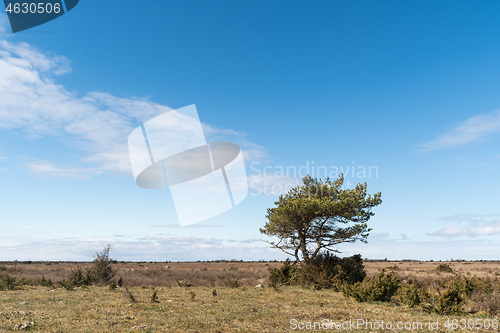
{"x":351,"y":269}
{"x":44,"y":282}
{"x":330,"y":271}
{"x":381,"y":287}
{"x":101,"y":272}
{"x":324,"y":271}
{"x":284,"y":275}
{"x":453,"y":297}
{"x":444,"y":268}
{"x":77,"y":278}
{"x":450,"y":302}
{"x":483,"y":285}
{"x":411,"y":294}
{"x":7,"y":282}
{"x":392,"y":268}
{"x":232,"y":283}
{"x":460,"y":283}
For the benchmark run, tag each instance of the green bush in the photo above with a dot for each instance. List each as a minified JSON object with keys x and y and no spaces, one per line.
{"x":101,"y":272}
{"x":444,"y":268}
{"x":381,"y":287}
{"x":458,"y":288}
{"x":329,"y":271}
{"x":450,"y":302}
{"x":411,"y":294}
{"x":324,"y":271}
{"x":77,"y":278}
{"x":283,"y":276}
{"x":483,"y":285}
{"x":352,"y":269}
{"x":7,"y":282}
{"x":44,"y":282}
{"x":462,"y":284}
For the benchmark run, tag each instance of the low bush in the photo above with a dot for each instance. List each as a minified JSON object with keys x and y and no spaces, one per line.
{"x":44,"y":282}
{"x":232,"y":283}
{"x":461,"y":284}
{"x":7,"y":282}
{"x":284,"y":275}
{"x":100,"y":273}
{"x":444,"y":268}
{"x":330,"y":271}
{"x":324,"y":271}
{"x":77,"y":278}
{"x":381,"y":287}
{"x":450,"y":302}
{"x":411,"y":293}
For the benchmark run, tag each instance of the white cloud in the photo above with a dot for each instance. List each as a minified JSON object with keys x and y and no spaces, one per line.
{"x":474,"y":129}
{"x":251,"y":151}
{"x":442,"y":249}
{"x":157,"y":248}
{"x":162,"y":248}
{"x":475,"y":225}
{"x":47,"y":168}
{"x":96,"y":123}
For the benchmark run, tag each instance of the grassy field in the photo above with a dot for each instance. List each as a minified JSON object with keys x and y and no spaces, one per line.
{"x":215,"y":274}
{"x":246,"y":308}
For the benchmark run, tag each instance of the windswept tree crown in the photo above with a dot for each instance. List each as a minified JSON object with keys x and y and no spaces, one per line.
{"x":319,"y":215}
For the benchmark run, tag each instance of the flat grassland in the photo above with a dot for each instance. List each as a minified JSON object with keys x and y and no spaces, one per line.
{"x":213,"y":303}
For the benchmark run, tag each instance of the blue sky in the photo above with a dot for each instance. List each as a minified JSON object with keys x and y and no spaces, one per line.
{"x":408,"y":89}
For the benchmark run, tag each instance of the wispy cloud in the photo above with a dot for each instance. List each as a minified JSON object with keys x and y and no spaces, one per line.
{"x":156,"y":248}
{"x":48,"y":168}
{"x":96,"y":123}
{"x":439,"y":249}
{"x":470,"y":225}
{"x":474,"y":129}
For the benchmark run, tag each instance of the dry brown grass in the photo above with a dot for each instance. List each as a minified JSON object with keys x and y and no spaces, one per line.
{"x":217,"y":274}
{"x":207,"y":274}
{"x":428,"y":269}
